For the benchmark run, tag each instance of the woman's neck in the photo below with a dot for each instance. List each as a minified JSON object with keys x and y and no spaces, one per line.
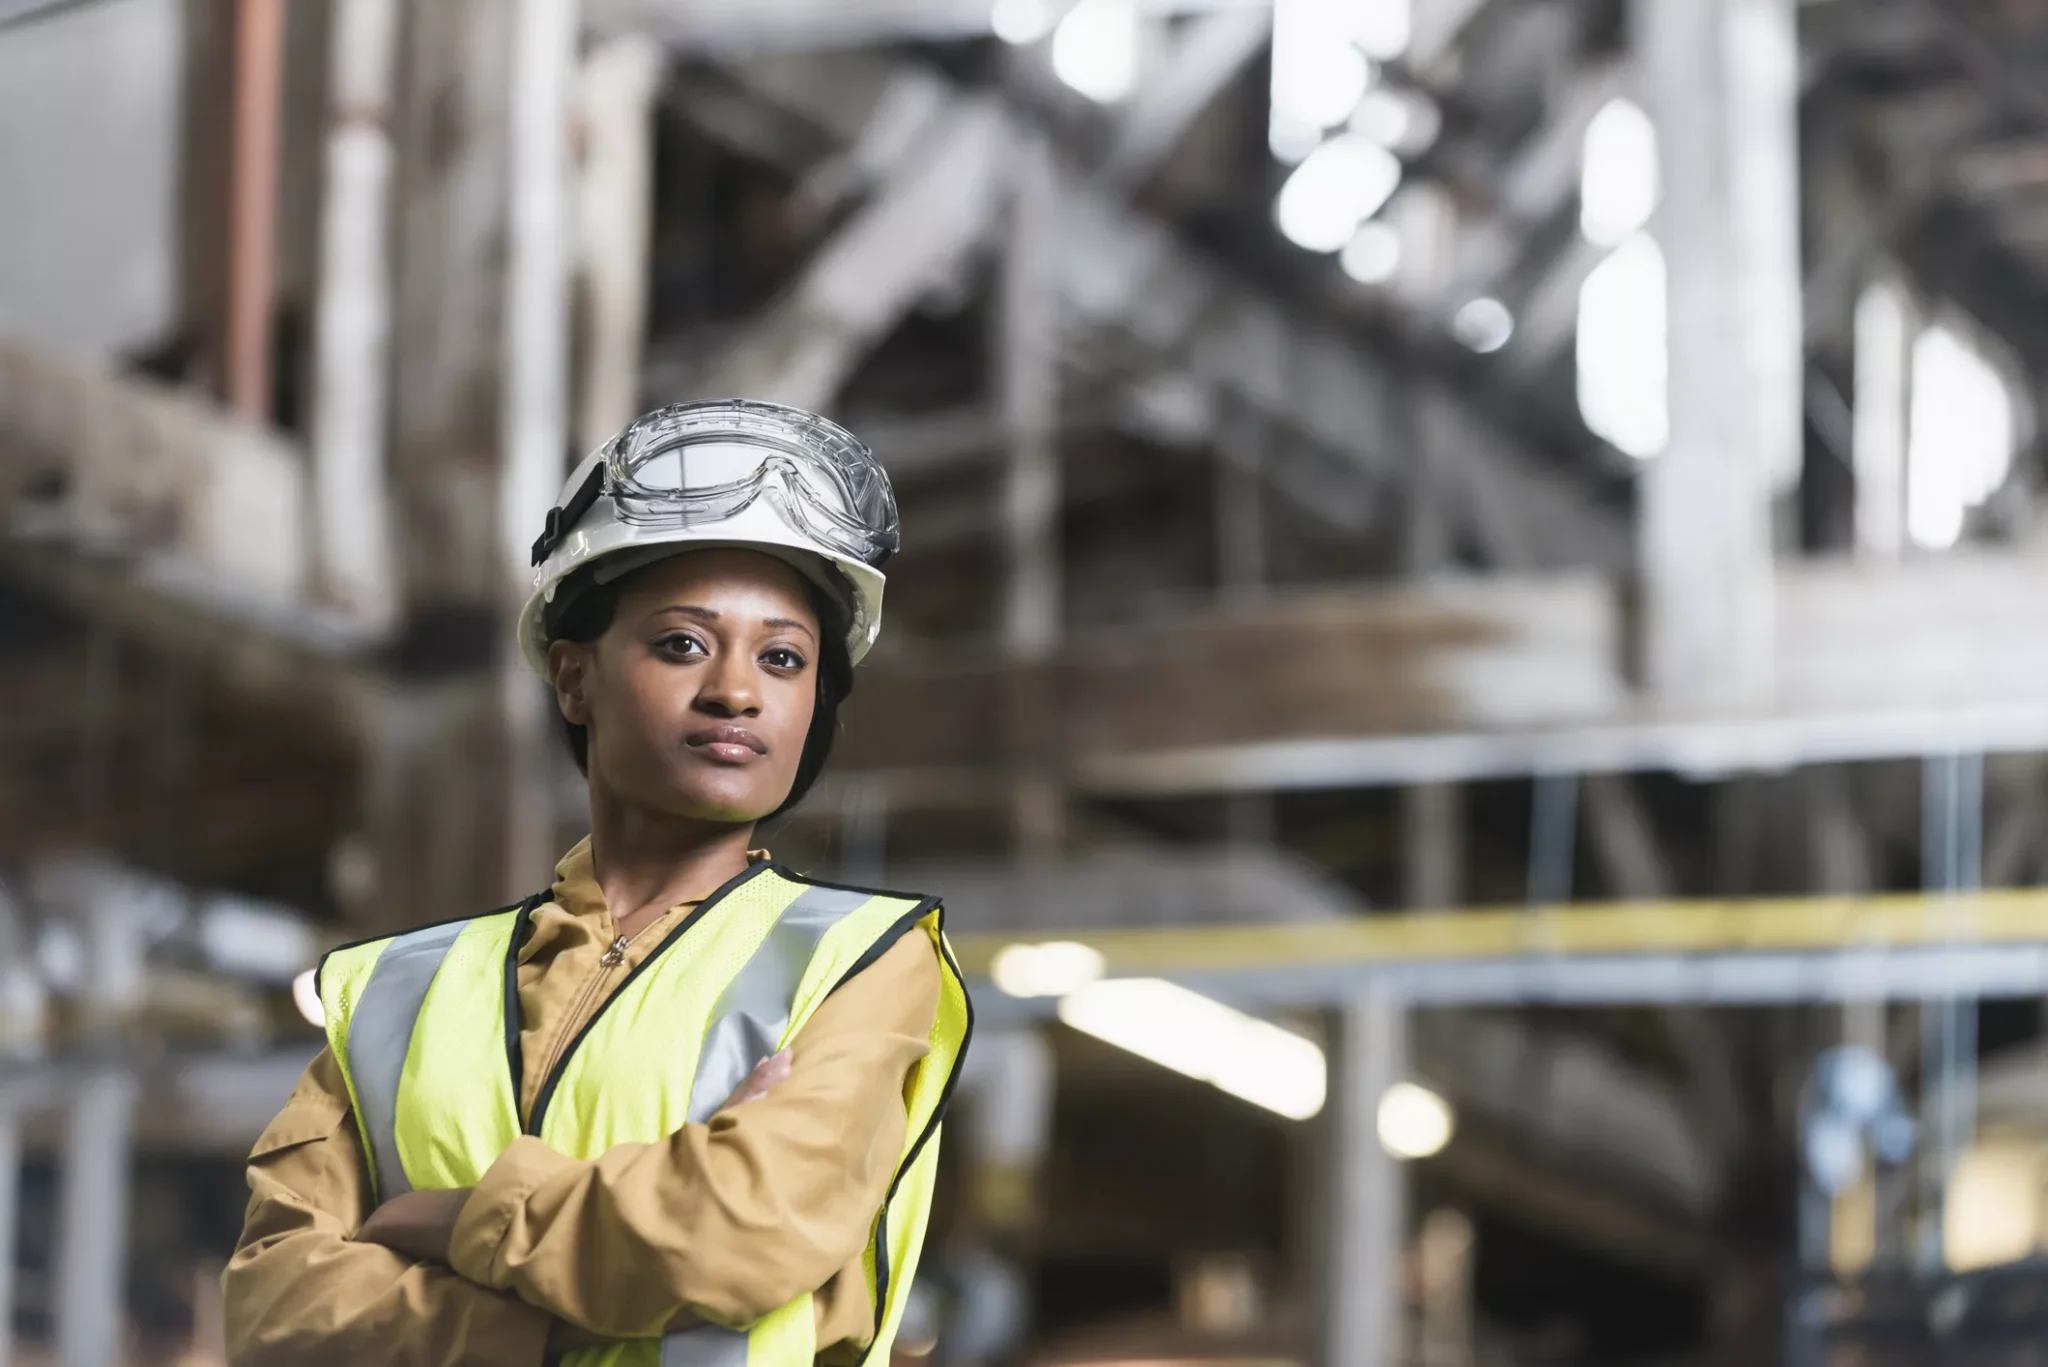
{"x":646,"y":862}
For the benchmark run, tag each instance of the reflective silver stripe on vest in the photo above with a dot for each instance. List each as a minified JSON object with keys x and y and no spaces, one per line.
{"x":750,"y":1017}
{"x":708,"y":1346}
{"x":746,"y":1025}
{"x":380,"y":1032}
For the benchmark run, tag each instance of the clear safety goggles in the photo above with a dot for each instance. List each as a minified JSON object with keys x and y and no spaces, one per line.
{"x":701,"y":464}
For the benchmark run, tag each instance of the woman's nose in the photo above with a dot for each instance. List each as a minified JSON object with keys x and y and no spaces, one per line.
{"x":732,"y":689}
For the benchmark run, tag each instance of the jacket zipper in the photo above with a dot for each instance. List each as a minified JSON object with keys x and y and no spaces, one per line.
{"x":614,"y":955}
{"x":558,"y":1060}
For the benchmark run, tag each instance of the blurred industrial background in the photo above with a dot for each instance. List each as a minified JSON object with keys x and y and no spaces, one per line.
{"x":1471,"y":624}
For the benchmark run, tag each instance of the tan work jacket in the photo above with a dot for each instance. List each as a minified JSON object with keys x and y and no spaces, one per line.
{"x":731,"y":1219}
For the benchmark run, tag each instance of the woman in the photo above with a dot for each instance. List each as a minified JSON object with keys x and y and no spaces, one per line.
{"x":682,"y":1108}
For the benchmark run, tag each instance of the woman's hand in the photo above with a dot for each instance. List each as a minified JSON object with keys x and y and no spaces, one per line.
{"x":418,"y":1224}
{"x":767,"y":1073}
{"x":564,"y":1337}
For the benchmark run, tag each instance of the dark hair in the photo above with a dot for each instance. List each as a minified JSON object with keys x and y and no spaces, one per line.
{"x":583,"y":610}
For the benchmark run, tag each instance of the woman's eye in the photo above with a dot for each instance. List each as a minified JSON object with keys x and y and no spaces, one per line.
{"x":781,"y":658}
{"x":680,"y":644}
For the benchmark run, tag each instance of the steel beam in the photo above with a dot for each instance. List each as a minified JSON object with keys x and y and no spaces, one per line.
{"x":1205,"y":59}
{"x":937,"y":208}
{"x":1454,"y":680}
{"x":1541,"y":178}
{"x":1723,"y":953}
{"x":739,"y":26}
{"x":1143,"y":886}
{"x":1129,"y":284}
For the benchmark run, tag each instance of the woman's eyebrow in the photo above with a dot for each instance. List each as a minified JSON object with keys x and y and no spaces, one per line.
{"x":711,"y":615}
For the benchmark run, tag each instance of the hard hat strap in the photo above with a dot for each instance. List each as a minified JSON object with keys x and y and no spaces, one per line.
{"x":561,"y":519}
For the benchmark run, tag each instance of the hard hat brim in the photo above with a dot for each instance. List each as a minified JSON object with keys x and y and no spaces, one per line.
{"x":820,"y":567}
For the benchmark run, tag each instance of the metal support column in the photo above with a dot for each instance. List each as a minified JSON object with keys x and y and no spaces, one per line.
{"x":617,"y":85}
{"x":1721,"y":79}
{"x":252,"y":204}
{"x":10,"y":1187}
{"x":535,"y":397}
{"x":1952,"y":836}
{"x":1241,"y":555}
{"x":1553,"y":837}
{"x":354,"y":560}
{"x":1029,"y":384}
{"x":1361,"y":1284}
{"x":1885,"y":325}
{"x":92,"y":1241}
{"x":1432,"y":814}
{"x":1433,"y":842}
{"x":1242,"y":571}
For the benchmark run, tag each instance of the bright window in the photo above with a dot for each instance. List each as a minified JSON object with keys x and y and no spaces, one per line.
{"x":1622,"y":352}
{"x":1961,"y":432}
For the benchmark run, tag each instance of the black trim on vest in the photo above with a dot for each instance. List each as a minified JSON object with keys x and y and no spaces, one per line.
{"x":515,"y":1056}
{"x":554,"y":1077}
{"x":793,"y":876}
{"x":320,"y":969}
{"x":909,"y":1159}
{"x":887,"y":941}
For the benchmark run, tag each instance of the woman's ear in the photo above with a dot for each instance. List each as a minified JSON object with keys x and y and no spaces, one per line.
{"x":569,"y":671}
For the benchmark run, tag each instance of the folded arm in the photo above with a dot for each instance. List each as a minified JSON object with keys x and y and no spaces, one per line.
{"x":301,"y":1292}
{"x":731,"y":1219}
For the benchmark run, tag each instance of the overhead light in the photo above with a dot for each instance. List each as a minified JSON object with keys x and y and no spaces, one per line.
{"x":1373,"y":254}
{"x":253,"y":939}
{"x":1381,"y":115}
{"x":1290,"y":139}
{"x":1095,"y":49}
{"x":1618,"y":179}
{"x":1019,"y":22}
{"x":1252,"y":1059}
{"x":1338,"y":186}
{"x":1047,"y":970}
{"x":306,"y":996}
{"x":1623,"y":354}
{"x":1961,"y":431}
{"x":1383,"y":28}
{"x":1404,"y":121}
{"x":1484,"y":325}
{"x":1317,"y":80}
{"x":1413,"y":1121}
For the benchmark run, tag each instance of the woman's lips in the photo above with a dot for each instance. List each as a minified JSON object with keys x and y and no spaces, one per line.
{"x":727,"y":744}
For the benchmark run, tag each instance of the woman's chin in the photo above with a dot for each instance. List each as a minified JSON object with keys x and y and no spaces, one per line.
{"x":730,"y":806}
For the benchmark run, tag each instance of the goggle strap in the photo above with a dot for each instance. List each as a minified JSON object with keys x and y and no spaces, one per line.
{"x":562,"y":519}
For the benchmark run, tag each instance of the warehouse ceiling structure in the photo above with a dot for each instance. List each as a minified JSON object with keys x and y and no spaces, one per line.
{"x":1353,"y":457}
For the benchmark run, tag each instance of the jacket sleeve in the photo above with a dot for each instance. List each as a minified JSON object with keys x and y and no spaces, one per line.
{"x":299,"y":1292}
{"x":728,"y":1220}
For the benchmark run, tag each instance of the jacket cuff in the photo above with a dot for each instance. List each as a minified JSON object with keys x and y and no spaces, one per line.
{"x":496,"y":1208}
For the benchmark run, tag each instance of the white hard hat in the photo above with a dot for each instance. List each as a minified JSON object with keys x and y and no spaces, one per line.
{"x":723,"y":473}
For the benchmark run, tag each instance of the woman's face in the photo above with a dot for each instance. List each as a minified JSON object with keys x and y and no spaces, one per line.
{"x":699,"y":696}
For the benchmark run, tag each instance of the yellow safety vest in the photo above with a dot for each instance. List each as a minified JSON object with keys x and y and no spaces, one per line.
{"x":425,"y":1028}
